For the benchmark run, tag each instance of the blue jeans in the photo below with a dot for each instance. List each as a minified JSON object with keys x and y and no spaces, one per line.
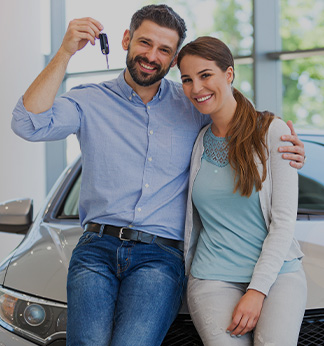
{"x":122,"y":293}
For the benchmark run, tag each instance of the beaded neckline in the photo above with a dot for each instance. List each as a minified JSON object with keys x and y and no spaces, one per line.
{"x":216,"y":149}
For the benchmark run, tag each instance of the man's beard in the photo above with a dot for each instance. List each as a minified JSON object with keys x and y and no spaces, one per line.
{"x":141,"y":78}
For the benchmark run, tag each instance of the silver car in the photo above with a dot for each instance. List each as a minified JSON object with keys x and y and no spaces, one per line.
{"x":33,"y":277}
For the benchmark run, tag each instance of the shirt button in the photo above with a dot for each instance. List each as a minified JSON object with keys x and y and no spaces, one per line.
{"x":147,"y":185}
{"x":130,"y":226}
{"x":139,"y":209}
{"x":150,"y":159}
{"x":130,"y":97}
{"x":148,"y":107}
{"x":151,"y":132}
{"x":134,"y":94}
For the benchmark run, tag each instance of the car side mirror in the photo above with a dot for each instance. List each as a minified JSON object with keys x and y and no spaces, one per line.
{"x":16,"y":216}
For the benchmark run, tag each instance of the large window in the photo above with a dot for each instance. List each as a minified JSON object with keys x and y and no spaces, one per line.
{"x":297,"y":61}
{"x":301,"y":32}
{"x":115,"y":18}
{"x":303,"y":93}
{"x":301,"y":24}
{"x":230,"y":21}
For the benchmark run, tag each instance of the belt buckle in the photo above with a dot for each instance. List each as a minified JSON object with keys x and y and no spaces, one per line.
{"x":120,"y":236}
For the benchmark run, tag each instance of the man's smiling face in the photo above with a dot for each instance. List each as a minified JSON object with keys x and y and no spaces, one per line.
{"x":151,"y":52}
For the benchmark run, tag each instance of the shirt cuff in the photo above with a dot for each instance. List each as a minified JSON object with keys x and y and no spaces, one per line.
{"x":38,"y":120}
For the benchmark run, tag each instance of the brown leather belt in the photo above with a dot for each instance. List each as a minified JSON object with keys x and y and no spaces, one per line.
{"x":128,"y":234}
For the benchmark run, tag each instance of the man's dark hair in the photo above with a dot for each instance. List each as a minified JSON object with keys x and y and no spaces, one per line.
{"x":162,"y":15}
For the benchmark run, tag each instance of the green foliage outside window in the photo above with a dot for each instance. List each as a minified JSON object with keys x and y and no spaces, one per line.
{"x":230,"y":21}
{"x":301,"y":27}
{"x":302,"y":24}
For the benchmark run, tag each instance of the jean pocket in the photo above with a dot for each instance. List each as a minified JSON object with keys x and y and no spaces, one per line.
{"x":86,"y":238}
{"x":170,"y":249}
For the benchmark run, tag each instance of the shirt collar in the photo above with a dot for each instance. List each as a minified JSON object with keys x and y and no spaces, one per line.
{"x":132,"y":96}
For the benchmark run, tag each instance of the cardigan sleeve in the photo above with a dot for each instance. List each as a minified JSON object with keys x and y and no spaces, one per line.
{"x":193,"y":223}
{"x":283,"y":180}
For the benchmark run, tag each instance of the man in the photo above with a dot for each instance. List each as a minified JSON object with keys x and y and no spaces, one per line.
{"x":136,"y":133}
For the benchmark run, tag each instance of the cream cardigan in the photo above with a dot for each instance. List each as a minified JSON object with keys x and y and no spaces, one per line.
{"x":278,"y":199}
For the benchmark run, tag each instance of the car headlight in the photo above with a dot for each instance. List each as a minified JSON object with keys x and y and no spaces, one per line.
{"x":39,"y":320}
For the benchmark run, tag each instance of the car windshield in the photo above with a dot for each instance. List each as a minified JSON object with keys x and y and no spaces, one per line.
{"x":70,"y":208}
{"x":311,"y":177}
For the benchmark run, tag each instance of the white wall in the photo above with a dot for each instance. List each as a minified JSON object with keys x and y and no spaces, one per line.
{"x":22,"y":164}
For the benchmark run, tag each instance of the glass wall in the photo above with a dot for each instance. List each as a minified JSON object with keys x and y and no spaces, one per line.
{"x":303,"y":93}
{"x":230,"y":21}
{"x":300,"y":31}
{"x":302,"y":25}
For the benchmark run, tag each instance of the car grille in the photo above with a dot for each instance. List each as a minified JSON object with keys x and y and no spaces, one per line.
{"x":312,"y":329}
{"x":58,"y":343}
{"x":183,"y":333}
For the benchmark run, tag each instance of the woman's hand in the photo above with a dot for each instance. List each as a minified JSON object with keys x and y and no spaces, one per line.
{"x":246,"y":313}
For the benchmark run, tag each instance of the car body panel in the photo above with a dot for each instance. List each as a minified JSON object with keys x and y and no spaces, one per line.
{"x":20,"y":271}
{"x":311,"y":239}
{"x":42,"y":260}
{"x":10,"y":339}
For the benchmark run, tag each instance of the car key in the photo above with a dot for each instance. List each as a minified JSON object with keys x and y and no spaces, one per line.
{"x":104,"y":46}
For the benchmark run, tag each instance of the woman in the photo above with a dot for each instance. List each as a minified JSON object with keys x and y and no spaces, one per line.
{"x":246,"y":284}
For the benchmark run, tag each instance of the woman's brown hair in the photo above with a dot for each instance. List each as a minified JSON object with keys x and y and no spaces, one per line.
{"x":247,"y":130}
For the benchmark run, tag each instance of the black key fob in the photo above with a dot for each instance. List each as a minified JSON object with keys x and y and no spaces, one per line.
{"x":104,"y":43}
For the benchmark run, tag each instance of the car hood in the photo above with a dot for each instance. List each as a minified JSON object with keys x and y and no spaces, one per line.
{"x":40,"y":263}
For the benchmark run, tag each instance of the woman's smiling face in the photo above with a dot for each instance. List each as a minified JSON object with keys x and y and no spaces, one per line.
{"x":205,"y":84}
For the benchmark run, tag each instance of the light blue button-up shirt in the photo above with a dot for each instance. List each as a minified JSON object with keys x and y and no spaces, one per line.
{"x":135,"y":157}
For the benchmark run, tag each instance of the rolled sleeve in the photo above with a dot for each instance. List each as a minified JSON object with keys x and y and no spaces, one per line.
{"x":56,"y":123}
